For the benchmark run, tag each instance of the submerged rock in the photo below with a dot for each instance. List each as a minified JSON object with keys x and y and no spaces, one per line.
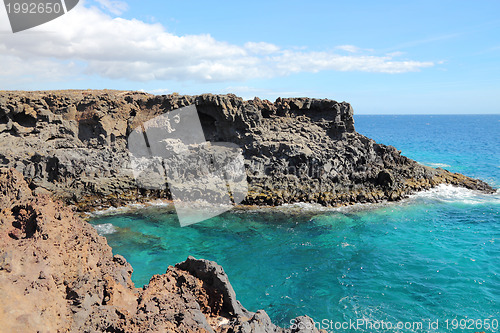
{"x":58,"y":275}
{"x":74,"y":144}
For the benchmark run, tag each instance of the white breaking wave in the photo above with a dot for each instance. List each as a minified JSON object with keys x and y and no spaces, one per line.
{"x":303,"y":206}
{"x":450,"y":193}
{"x":131,"y":207}
{"x":107,"y":211}
{"x":105,"y":228}
{"x":438,"y":165}
{"x":442,"y":193}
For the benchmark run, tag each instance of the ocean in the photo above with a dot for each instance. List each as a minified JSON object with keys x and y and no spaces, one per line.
{"x":429,"y":263}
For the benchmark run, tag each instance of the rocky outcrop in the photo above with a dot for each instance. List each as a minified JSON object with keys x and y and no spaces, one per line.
{"x":74,"y":144}
{"x":58,"y":275}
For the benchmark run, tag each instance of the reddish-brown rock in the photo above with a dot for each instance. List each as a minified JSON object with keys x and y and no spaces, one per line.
{"x":58,"y":275}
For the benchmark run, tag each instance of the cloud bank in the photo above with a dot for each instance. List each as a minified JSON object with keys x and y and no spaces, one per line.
{"x":87,"y":41}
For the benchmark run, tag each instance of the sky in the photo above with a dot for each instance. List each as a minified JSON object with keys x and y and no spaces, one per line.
{"x":383,"y":57}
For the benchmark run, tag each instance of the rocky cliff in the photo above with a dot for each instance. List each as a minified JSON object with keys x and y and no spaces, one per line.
{"x":74,"y":144}
{"x":58,"y":275}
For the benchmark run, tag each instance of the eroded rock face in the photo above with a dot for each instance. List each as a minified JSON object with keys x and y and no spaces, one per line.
{"x":74,"y":144}
{"x":58,"y":275}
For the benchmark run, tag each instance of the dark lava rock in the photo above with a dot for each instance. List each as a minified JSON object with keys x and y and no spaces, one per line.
{"x":74,"y":145}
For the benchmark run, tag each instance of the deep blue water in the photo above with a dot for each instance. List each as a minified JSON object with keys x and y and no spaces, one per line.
{"x":432,"y":257}
{"x":469,"y":144}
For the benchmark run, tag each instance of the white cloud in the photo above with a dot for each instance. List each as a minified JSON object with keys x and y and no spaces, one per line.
{"x":21,"y":71}
{"x":119,"y":48}
{"x":317,"y":61}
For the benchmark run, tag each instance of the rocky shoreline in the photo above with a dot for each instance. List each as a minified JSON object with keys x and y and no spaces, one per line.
{"x":64,"y":152}
{"x":73,"y":144}
{"x":58,"y":275}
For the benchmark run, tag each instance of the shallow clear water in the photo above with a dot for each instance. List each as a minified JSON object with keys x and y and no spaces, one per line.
{"x":432,"y":257}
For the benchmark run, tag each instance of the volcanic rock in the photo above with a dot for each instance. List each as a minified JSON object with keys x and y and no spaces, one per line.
{"x":58,"y":275}
{"x":74,"y":144}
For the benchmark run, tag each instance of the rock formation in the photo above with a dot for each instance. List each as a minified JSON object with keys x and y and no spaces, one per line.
{"x":58,"y":275}
{"x":74,"y":144}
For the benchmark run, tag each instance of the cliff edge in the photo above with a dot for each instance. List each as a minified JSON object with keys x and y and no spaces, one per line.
{"x":74,"y":144}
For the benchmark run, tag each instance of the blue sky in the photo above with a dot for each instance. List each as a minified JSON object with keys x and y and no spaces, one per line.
{"x":396,"y":57}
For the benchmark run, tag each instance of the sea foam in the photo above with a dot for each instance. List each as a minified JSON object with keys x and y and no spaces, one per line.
{"x":454,"y":194}
{"x":105,"y":229}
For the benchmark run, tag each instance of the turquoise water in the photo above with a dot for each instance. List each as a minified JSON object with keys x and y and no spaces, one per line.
{"x":433,"y":257}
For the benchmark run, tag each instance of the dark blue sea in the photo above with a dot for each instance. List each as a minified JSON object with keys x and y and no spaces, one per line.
{"x":430,"y":263}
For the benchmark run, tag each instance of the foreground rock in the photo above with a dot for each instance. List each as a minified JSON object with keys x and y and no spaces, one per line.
{"x":74,"y":144}
{"x":58,"y":275}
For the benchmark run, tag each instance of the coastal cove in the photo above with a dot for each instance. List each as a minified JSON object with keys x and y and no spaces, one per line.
{"x":68,"y":152}
{"x":250,"y":167}
{"x":431,"y":256}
